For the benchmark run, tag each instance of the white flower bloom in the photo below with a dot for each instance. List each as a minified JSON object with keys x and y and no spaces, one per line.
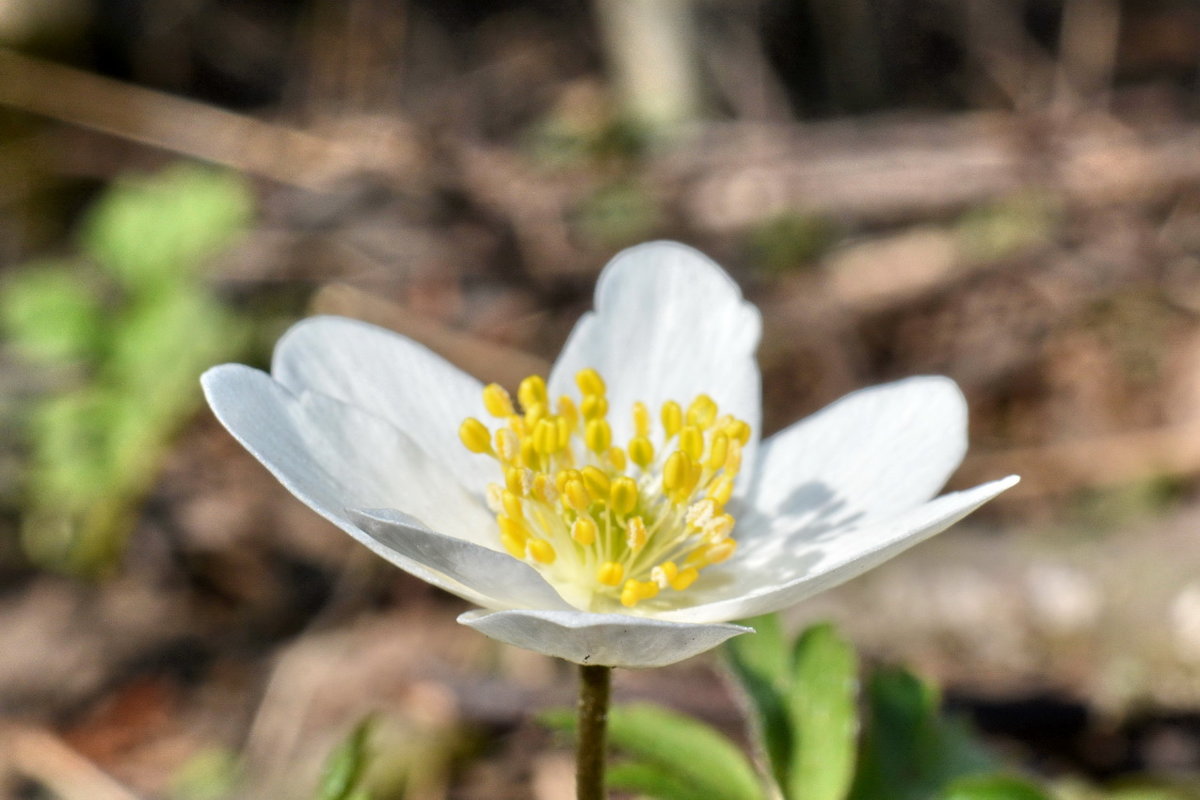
{"x":627,"y":524}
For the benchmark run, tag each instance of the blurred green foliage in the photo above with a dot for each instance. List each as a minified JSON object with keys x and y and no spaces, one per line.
{"x":125,"y":326}
{"x":343,"y":774}
{"x":791,"y":241}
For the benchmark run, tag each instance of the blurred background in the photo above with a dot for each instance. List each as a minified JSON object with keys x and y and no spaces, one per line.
{"x":1006,"y":192}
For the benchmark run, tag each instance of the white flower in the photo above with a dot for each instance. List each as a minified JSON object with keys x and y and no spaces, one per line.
{"x":573,"y":523}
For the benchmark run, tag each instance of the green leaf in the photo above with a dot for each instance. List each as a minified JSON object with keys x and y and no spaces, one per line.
{"x":993,"y":787}
{"x":909,"y":751}
{"x":652,"y":780}
{"x":51,"y":313}
{"x":761,"y":663}
{"x":346,"y":765}
{"x":823,"y":709}
{"x":158,"y":229}
{"x":686,"y":748}
{"x":692,"y":756}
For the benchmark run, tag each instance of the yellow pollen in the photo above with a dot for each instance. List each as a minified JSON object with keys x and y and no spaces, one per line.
{"x":610,"y":526}
{"x":497,"y":401}
{"x":635,"y":534}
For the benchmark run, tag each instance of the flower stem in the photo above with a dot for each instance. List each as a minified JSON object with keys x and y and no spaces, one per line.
{"x":595,"y":688}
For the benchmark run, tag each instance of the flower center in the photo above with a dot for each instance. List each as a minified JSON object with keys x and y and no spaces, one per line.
{"x":606,"y":523}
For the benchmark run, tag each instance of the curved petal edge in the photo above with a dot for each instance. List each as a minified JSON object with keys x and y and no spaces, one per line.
{"x":613,"y":640}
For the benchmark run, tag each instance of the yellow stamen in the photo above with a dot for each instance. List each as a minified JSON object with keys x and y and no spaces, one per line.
{"x":584,"y":531}
{"x":590,"y":382}
{"x":624,"y":496}
{"x":497,"y":401}
{"x":475,"y":436}
{"x":541,"y":551}
{"x":610,"y":573}
{"x":672,"y":418}
{"x":641,"y":450}
{"x":611,"y":525}
{"x":532,"y":391}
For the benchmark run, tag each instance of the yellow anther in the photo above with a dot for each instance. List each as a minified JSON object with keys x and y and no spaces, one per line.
{"x":610,"y":573}
{"x":513,"y":527}
{"x":720,"y":527}
{"x":718,"y":552}
{"x":511,"y":504}
{"x":733,"y":461}
{"x":616,"y":457}
{"x":646,"y":589}
{"x":507,"y":444}
{"x":700,"y":514}
{"x":513,"y":545}
{"x":514,"y":480}
{"x":684,"y":579}
{"x":691,"y":441}
{"x":568,"y":411}
{"x":534,"y":414}
{"x":629,"y":593}
{"x":664,"y":573}
{"x":697,"y":558}
{"x":641,"y":419}
{"x":702,"y":411}
{"x":739,"y":430}
{"x":718,"y":451}
{"x":584,"y":531}
{"x":624,"y":495}
{"x":543,"y":488}
{"x":562,"y":433}
{"x":635,"y":534}
{"x":545,"y":436}
{"x":594,"y":406}
{"x":721,"y":490}
{"x":493,"y":494}
{"x":541,"y":551}
{"x":529,"y":454}
{"x":598,"y":435}
{"x":677,"y":471}
{"x":516,"y":424}
{"x":532,"y":391}
{"x":575,"y":495}
{"x":560,"y":480}
{"x":497,"y":401}
{"x":590,"y":382}
{"x":641,"y":451}
{"x":475,"y":436}
{"x":672,"y":418}
{"x":596,"y":481}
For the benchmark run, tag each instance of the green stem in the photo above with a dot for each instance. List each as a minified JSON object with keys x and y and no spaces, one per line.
{"x":595,"y":689}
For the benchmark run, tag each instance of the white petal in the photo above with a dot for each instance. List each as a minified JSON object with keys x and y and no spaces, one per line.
{"x":613,"y":640}
{"x":871,"y":454}
{"x":393,"y":378}
{"x":803,"y":565}
{"x":508,"y":583}
{"x":669,"y":324}
{"x":333,"y":456}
